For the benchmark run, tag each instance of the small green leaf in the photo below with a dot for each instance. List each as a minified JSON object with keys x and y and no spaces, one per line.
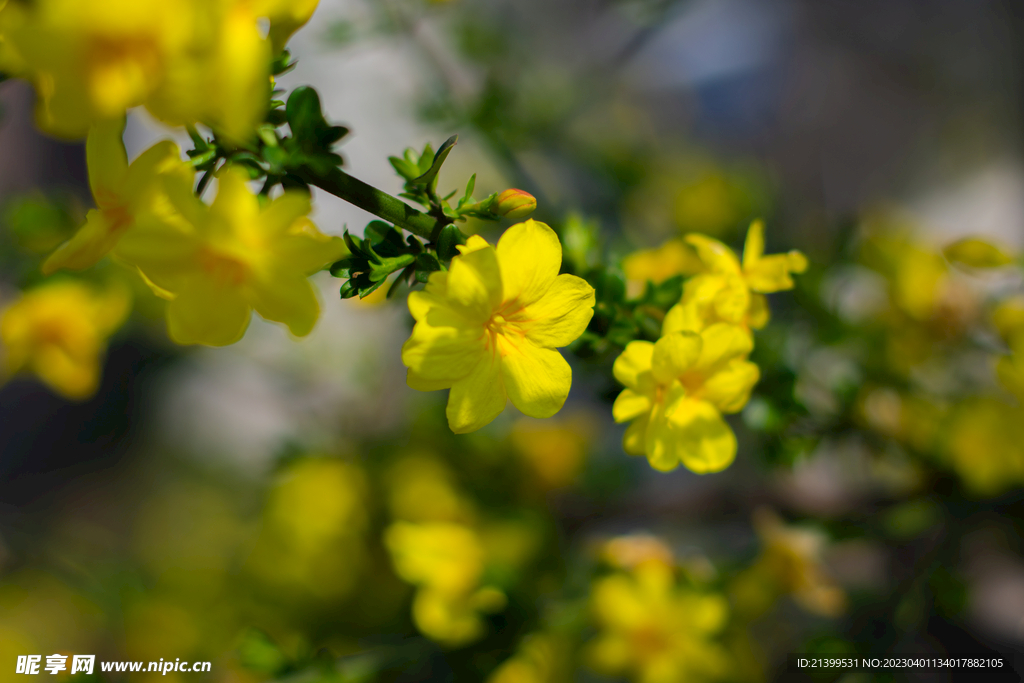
{"x":447,"y":242}
{"x":428,"y":177}
{"x":384,"y":239}
{"x":346,"y":266}
{"x":427,"y":262}
{"x":404,"y":168}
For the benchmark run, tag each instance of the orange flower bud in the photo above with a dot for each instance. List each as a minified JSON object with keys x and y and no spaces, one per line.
{"x":514,"y":204}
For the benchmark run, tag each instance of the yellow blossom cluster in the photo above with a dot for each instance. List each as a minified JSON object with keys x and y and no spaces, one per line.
{"x":678,"y":388}
{"x":488,"y":327}
{"x":186,"y":61}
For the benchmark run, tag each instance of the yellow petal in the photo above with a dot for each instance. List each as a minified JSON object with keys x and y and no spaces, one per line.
{"x":235,"y":204}
{"x":674,"y":354}
{"x":722,"y":343}
{"x":633,"y":362}
{"x":530,"y":256}
{"x":561,"y":315}
{"x":475,"y":284}
{"x":716,"y":257}
{"x":479,"y":397}
{"x":729,"y":389}
{"x":630,"y":404}
{"x":758,"y":314}
{"x":683,"y":317}
{"x":419,"y":383}
{"x":753,"y":248}
{"x":771,"y":274}
{"x":287,"y":297}
{"x":442,"y":346}
{"x":705,"y":442}
{"x":636,"y":436}
{"x":732,"y":301}
{"x":537,"y":380}
{"x":105,"y":156}
{"x":661,"y":442}
{"x":205,"y":312}
{"x":91,"y":243}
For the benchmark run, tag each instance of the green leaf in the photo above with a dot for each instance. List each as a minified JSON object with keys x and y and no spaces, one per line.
{"x":447,"y":242}
{"x":404,"y":168}
{"x":380,"y":271}
{"x":427,"y":262}
{"x":346,"y":267}
{"x":429,"y":176}
{"x":384,"y":239}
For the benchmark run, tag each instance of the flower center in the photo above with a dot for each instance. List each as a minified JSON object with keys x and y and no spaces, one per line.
{"x":224,"y":269}
{"x":502,"y":334}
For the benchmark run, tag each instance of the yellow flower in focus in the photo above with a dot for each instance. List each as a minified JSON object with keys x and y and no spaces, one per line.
{"x":446,"y":562}
{"x":730,"y":291}
{"x":488,"y":328}
{"x":123,"y":193}
{"x":676,"y":392}
{"x":654,"y":631}
{"x":233,"y":257}
{"x":59,"y":332}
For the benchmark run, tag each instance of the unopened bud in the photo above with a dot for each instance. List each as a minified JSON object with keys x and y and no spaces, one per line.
{"x":514,"y":204}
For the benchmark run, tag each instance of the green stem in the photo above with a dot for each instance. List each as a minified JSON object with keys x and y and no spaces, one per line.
{"x":379,"y":203}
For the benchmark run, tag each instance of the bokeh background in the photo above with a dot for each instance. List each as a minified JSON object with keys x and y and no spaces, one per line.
{"x":252,"y":505}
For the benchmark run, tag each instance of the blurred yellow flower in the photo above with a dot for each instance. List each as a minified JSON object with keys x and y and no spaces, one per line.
{"x":421,"y":489}
{"x":186,"y":60}
{"x":672,"y":258}
{"x":730,"y":291}
{"x":791,"y":563}
{"x":488,"y":327}
{"x":986,"y":445}
{"x":446,"y":562}
{"x":655,"y":631}
{"x":59,"y":332}
{"x":676,"y":392}
{"x":234,"y":256}
{"x":311,"y":541}
{"x":123,"y":193}
{"x":540,"y":659}
{"x":555,"y":452}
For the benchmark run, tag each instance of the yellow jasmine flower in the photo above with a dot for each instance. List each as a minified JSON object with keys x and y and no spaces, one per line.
{"x":223,"y":79}
{"x":986,"y":445}
{"x":790,"y":563}
{"x":185,"y":60}
{"x":488,"y":327}
{"x":59,"y":332}
{"x":672,"y":258}
{"x":676,"y":392}
{"x":654,"y":631}
{"x":446,"y":561}
{"x":540,"y":659}
{"x":90,"y":61}
{"x":122,"y":192}
{"x":230,"y":258}
{"x":731,"y":291}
